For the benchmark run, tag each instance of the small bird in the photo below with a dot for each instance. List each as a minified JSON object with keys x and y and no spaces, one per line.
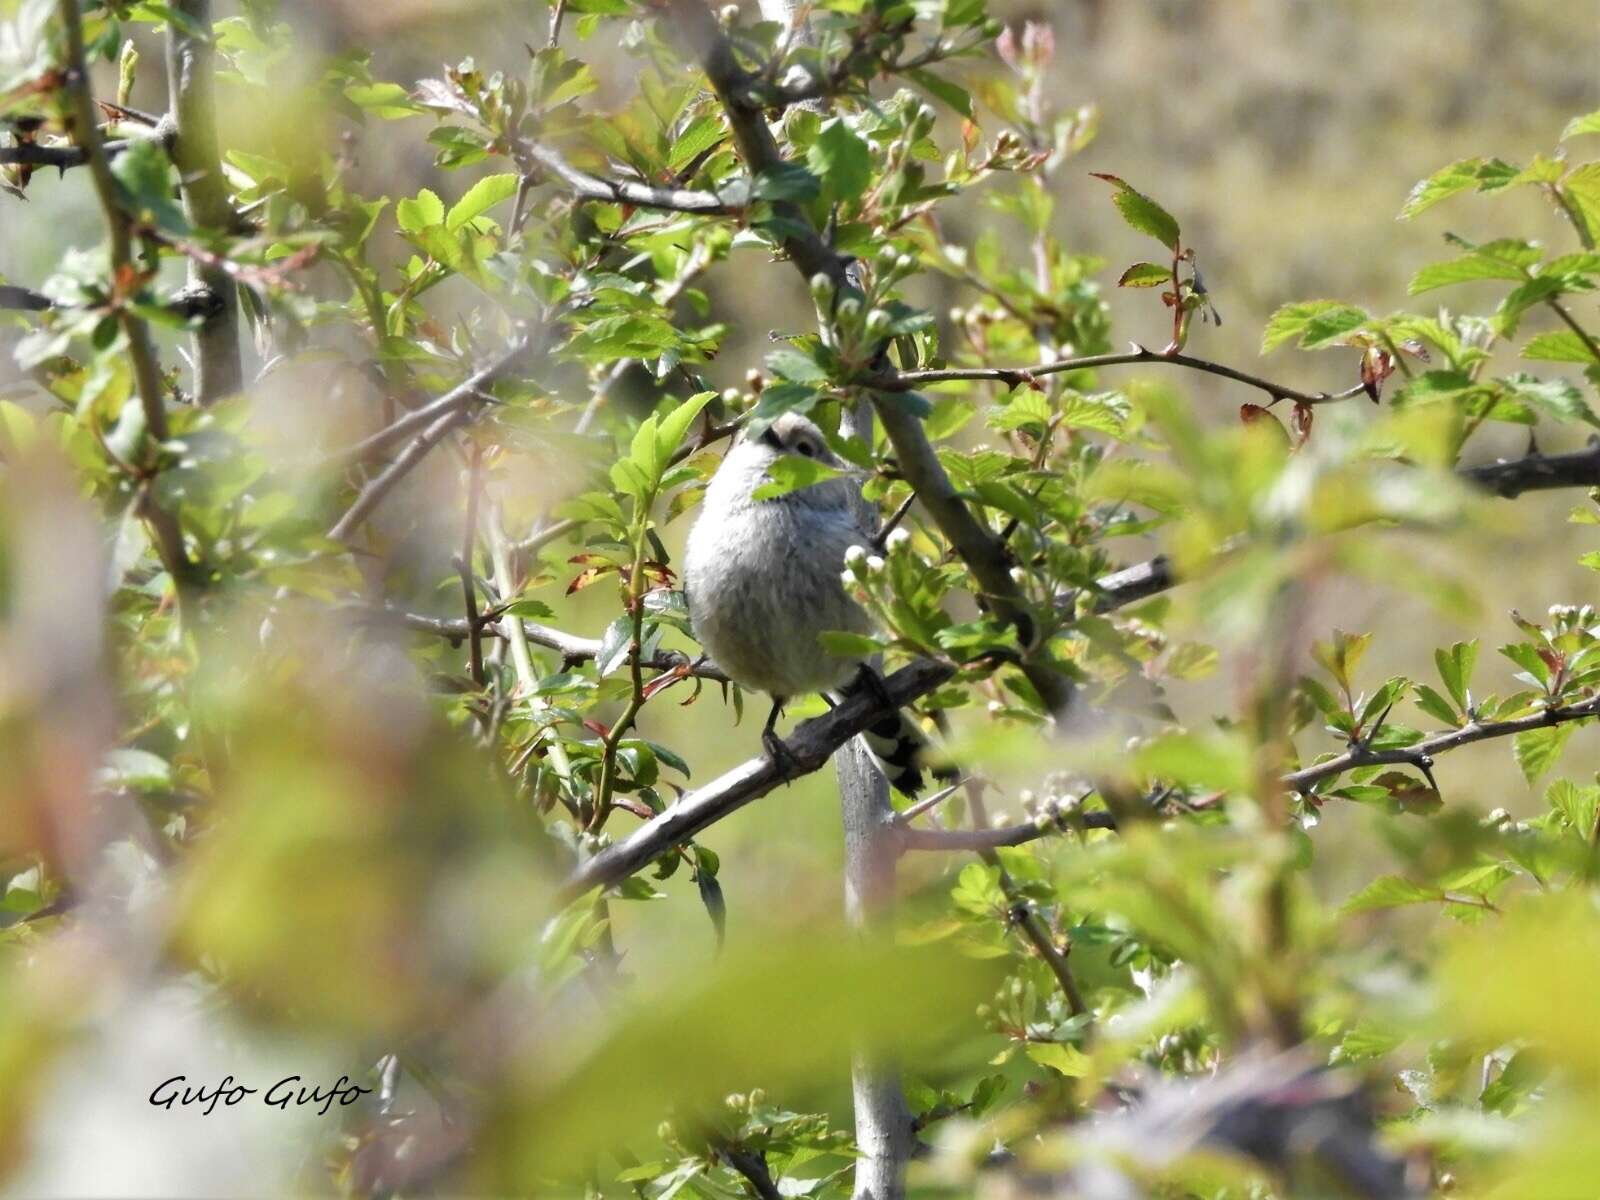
{"x":763,"y":583}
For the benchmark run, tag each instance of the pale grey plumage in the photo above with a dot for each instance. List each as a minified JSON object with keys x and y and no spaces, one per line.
{"x":763,"y":582}
{"x":763,"y":575}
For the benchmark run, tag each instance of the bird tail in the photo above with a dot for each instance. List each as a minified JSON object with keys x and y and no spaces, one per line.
{"x":902,"y":751}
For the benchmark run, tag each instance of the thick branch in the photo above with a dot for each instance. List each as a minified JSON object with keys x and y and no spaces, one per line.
{"x":905,"y":381}
{"x":1538,"y":472}
{"x":191,"y":74}
{"x":626,"y":191}
{"x":31,"y":154}
{"x":759,"y":149}
{"x":20,"y":299}
{"x":983,"y":552}
{"x":810,"y":746}
{"x":165,"y":530}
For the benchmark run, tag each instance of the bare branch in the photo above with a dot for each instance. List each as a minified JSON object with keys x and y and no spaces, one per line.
{"x":810,"y":746}
{"x":905,"y":381}
{"x":1538,"y":472}
{"x":1004,"y":835}
{"x":627,"y":191}
{"x":20,"y":299}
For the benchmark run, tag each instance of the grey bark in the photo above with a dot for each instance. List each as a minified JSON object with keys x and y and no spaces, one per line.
{"x":191,"y":83}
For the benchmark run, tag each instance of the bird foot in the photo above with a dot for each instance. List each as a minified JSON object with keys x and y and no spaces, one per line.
{"x":779,"y":753}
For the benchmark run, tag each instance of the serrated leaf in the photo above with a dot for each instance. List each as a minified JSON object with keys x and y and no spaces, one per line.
{"x":1144,"y":214}
{"x":1469,"y":173}
{"x":1589,"y":123}
{"x":1320,"y":320}
{"x":1390,"y":891}
{"x":1455,"y":669}
{"x":480,"y":198}
{"x":1144,"y":274}
{"x":417,"y":213}
{"x":1559,"y":346}
{"x":841,"y":160}
{"x":1537,"y":750}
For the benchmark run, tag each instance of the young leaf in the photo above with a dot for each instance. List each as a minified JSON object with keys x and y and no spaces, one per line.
{"x":480,"y":198}
{"x":1455,"y":668}
{"x":1143,"y":213}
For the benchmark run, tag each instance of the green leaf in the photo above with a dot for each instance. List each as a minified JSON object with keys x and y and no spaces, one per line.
{"x":1469,"y":173}
{"x":675,"y":425}
{"x":1579,"y":807}
{"x":481,"y":197}
{"x":841,"y":160}
{"x":1143,"y":275}
{"x":1483,"y":263}
{"x":1581,"y":187}
{"x":700,"y":135}
{"x":1561,"y":346}
{"x":1058,"y":1056}
{"x":1455,"y":668}
{"x":1390,"y":891}
{"x":1312,"y":321}
{"x":1558,"y":398}
{"x":1213,"y":760}
{"x":1581,"y":125}
{"x":1537,"y":750}
{"x":790,"y":474}
{"x":849,"y":645}
{"x":422,"y":212}
{"x":145,"y":175}
{"x":135,"y":770}
{"x":943,"y":90}
{"x":1435,"y":705}
{"x":1143,"y":213}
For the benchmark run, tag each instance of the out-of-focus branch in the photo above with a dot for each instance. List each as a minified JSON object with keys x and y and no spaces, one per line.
{"x":1005,"y":835}
{"x":1538,"y":472}
{"x":810,"y":747}
{"x":906,"y":381}
{"x":627,"y":191}
{"x":472,"y":390}
{"x":191,"y":74}
{"x":165,"y":530}
{"x":20,"y":299}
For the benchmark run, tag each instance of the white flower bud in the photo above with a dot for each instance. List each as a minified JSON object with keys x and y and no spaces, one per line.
{"x":874,"y":565}
{"x":904,"y":263}
{"x":898,"y":540}
{"x":855,"y":557}
{"x":878,"y":320}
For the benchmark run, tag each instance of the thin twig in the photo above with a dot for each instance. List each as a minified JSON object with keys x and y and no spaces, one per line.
{"x":1421,"y":754}
{"x":905,"y":381}
{"x":469,"y":584}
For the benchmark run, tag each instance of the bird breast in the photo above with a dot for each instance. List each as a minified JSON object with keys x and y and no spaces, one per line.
{"x":763,"y":583}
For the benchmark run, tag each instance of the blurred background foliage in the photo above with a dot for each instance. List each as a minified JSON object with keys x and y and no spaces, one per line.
{"x":357,"y":888}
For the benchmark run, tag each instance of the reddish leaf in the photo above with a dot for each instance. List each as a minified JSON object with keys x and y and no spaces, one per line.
{"x":1304,"y":414}
{"x":1376,"y":365}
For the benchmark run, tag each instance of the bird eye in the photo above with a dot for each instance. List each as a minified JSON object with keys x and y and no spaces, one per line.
{"x":807,"y":449}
